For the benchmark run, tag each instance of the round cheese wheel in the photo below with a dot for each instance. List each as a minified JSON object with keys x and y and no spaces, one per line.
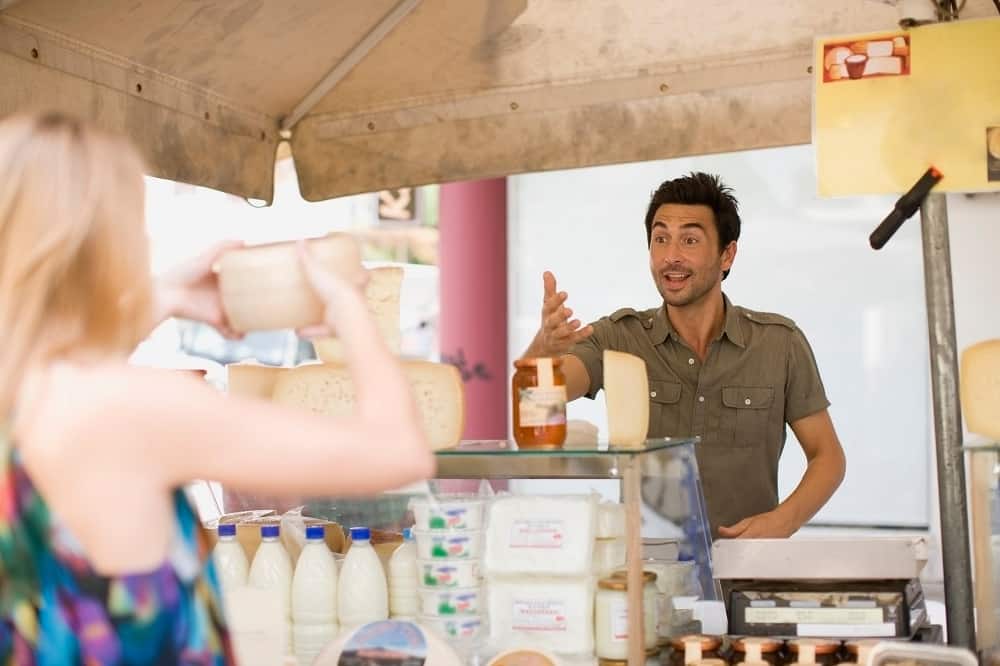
{"x":388,"y":641}
{"x":523,"y":657}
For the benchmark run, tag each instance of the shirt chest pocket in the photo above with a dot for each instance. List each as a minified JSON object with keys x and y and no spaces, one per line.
{"x":745,"y":414}
{"x":664,"y":408}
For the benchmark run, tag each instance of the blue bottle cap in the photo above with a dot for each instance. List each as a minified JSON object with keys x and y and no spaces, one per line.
{"x":227,"y":529}
{"x":407,"y":534}
{"x":315,"y":532}
{"x":360,"y":534}
{"x":268,"y":531}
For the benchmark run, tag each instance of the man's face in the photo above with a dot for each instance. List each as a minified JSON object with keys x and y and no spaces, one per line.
{"x":684,"y":254}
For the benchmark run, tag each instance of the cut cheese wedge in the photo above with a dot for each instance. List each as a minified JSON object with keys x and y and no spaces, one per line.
{"x":626,"y":391}
{"x":264,"y":287}
{"x":980,"y":388}
{"x":382,"y":293}
{"x":328,"y":389}
{"x":252,"y":379}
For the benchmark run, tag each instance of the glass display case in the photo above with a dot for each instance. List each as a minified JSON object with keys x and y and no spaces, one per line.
{"x":658,"y":484}
{"x":984,"y":509}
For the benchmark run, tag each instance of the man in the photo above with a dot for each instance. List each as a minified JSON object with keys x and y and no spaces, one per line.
{"x":733,"y":376}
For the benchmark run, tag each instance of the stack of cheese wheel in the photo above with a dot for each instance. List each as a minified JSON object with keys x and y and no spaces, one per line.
{"x":264,"y":288}
{"x":449,"y":535}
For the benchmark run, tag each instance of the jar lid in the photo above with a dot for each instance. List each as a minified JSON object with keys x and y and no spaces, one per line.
{"x":821,"y":646}
{"x":619,"y":580}
{"x":533,"y":362}
{"x":708,"y":643}
{"x":767,"y":645}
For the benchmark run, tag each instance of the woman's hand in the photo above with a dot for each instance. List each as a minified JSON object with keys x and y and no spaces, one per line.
{"x":342,"y":295}
{"x":191,"y":291}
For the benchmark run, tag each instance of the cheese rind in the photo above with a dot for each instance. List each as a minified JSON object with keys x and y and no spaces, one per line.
{"x":264,"y":287}
{"x":980,"y":388}
{"x":382,"y":294}
{"x":327,"y":389}
{"x":626,"y":390}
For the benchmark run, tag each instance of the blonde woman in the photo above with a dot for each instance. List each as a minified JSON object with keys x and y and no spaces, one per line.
{"x":100,"y":560}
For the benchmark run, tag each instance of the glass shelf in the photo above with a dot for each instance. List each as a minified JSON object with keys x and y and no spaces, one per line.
{"x":500,"y":459}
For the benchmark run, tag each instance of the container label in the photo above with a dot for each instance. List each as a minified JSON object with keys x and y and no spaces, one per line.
{"x":442,"y":519}
{"x":546,"y":534}
{"x":452,"y":546}
{"x":541,"y":406}
{"x":619,"y":620}
{"x":539,"y":615}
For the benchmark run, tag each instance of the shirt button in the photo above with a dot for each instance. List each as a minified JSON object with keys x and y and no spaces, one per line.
{"x":701,"y":398}
{"x":747,"y":401}
{"x":690,"y":361}
{"x":652,"y":394}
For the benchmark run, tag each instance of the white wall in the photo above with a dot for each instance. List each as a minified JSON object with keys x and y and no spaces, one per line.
{"x":807,"y":258}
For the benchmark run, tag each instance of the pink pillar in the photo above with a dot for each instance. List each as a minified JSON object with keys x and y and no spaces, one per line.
{"x":473,"y":324}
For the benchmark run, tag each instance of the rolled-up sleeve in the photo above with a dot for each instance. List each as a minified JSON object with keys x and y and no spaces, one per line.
{"x":804,"y":392}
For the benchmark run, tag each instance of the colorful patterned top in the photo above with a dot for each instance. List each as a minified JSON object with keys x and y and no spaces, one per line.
{"x":54,"y":609}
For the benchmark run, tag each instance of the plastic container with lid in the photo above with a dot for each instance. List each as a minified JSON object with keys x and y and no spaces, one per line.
{"x":362,"y":593}
{"x":441,"y":545}
{"x":694,"y":648}
{"x":757,"y":649}
{"x":451,"y":601}
{"x":611,"y":615}
{"x":813,"y":651}
{"x":230,"y":559}
{"x":447,"y":512}
{"x":539,"y":403}
{"x":652,"y":659}
{"x":448,"y":573}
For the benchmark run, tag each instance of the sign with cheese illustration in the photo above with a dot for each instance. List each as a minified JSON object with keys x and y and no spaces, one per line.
{"x":886,"y":106}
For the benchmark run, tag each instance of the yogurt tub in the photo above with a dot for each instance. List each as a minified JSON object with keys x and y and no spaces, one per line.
{"x":448,"y":573}
{"x":454,"y":627}
{"x":443,"y":545}
{"x":449,"y":603}
{"x":447,"y":512}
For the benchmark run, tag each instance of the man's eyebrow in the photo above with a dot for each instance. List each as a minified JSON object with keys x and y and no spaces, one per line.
{"x":694,"y":224}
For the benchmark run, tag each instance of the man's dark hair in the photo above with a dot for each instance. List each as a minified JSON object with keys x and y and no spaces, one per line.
{"x":699,"y":189}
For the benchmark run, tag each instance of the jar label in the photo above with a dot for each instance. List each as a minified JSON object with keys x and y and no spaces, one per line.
{"x":541,"y":406}
{"x":538,"y":615}
{"x":619,"y":620}
{"x":548,"y":534}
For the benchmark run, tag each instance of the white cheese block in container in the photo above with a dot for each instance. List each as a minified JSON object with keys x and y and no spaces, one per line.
{"x":609,"y":555}
{"x":264,"y":286}
{"x":382,"y":294}
{"x":549,"y":535}
{"x":555,"y":614}
{"x":327,"y":389}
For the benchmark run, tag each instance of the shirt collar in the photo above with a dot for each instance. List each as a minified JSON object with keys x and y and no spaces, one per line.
{"x":662,"y":329}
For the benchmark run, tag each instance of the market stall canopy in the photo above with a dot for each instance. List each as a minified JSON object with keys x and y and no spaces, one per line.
{"x":387,"y":93}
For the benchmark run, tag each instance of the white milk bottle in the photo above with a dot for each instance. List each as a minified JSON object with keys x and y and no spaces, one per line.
{"x":314,"y":597}
{"x":229,"y":559}
{"x":362,"y":594}
{"x":403,"y":600}
{"x":272,"y":570}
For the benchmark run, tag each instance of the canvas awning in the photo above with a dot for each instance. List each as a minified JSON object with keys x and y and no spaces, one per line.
{"x":386,"y":93}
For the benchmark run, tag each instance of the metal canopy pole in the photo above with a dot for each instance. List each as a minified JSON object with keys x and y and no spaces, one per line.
{"x":956,"y":558}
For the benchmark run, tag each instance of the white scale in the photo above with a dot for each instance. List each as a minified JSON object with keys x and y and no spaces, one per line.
{"x":824,"y":587}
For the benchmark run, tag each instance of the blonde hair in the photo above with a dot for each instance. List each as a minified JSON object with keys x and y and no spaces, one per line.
{"x":74,"y":258}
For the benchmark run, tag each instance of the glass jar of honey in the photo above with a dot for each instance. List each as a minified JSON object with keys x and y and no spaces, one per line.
{"x":695,"y":648}
{"x":539,"y":403}
{"x":754,"y":649}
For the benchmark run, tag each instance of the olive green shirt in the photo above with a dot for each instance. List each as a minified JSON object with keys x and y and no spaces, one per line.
{"x":759,"y":374}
